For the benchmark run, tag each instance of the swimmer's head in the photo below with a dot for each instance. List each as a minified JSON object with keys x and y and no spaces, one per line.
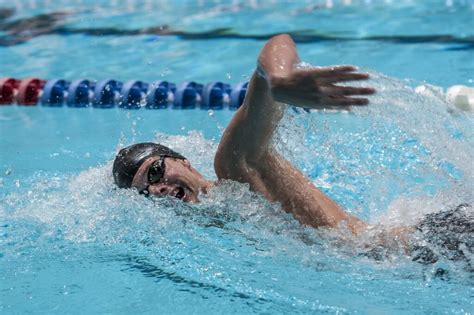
{"x":154,"y":169}
{"x":129,"y":159}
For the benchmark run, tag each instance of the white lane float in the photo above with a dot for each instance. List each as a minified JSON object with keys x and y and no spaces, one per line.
{"x":461,"y":96}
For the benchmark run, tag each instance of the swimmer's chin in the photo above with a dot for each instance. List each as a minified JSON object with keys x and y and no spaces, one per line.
{"x":191,"y":195}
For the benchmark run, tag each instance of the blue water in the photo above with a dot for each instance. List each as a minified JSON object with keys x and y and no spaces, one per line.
{"x":70,"y":242}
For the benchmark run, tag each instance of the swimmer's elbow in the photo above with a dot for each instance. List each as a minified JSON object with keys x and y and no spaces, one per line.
{"x":277,"y":57}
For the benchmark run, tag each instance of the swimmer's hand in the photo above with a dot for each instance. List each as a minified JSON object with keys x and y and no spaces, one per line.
{"x":317,"y":88}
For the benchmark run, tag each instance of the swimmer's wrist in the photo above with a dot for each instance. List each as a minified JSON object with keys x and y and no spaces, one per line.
{"x":260,"y":72}
{"x":271,"y":78}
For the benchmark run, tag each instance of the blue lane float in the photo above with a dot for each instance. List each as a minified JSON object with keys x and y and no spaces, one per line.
{"x":54,"y":93}
{"x":107,"y":94}
{"x":237,"y":95}
{"x":186,"y":95}
{"x":213,"y":95}
{"x":132,"y":94}
{"x":136,"y":94}
{"x":80,"y":93}
{"x":159,"y":94}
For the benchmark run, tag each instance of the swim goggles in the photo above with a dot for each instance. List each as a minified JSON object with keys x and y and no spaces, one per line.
{"x":156,"y":171}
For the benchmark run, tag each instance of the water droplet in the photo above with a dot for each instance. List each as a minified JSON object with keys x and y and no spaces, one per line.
{"x":228,"y":76}
{"x":17,"y":183}
{"x":210,"y":113}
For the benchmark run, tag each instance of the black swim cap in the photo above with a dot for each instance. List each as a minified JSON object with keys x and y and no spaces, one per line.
{"x":129,"y":159}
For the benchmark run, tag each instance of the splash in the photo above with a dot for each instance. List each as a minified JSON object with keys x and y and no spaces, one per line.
{"x":389,"y":163}
{"x":407,"y":152}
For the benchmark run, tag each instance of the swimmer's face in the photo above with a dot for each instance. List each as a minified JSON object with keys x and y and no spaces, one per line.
{"x":179,"y":179}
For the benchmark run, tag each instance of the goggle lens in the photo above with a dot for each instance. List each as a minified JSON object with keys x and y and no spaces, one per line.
{"x":156,"y":171}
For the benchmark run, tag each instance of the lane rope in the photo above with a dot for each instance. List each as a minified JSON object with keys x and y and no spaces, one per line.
{"x":133,"y":94}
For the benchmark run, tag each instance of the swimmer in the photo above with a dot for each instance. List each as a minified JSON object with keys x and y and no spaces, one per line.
{"x":245,"y":153}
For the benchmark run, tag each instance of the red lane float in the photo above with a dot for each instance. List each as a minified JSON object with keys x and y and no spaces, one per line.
{"x":28,"y":91}
{"x":7,"y":90}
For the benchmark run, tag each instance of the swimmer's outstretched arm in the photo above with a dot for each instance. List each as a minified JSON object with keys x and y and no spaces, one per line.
{"x":245,"y":153}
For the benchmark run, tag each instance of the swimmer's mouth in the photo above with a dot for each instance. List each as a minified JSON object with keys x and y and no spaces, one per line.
{"x":179,"y":193}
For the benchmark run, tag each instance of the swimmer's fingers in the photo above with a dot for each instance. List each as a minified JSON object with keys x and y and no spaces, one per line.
{"x":330,"y":71}
{"x":336,"y":74}
{"x":341,"y":77}
{"x":315,"y":87}
{"x":345,"y":101}
{"x":349,"y":90}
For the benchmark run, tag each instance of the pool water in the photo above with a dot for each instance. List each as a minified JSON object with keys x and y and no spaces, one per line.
{"x":70,"y":242}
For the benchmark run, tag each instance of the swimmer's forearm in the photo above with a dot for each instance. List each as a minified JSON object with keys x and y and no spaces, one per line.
{"x":250,"y":132}
{"x":263,"y":112}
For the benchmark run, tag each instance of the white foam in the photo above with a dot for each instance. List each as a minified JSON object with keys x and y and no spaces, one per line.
{"x":369,"y":159}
